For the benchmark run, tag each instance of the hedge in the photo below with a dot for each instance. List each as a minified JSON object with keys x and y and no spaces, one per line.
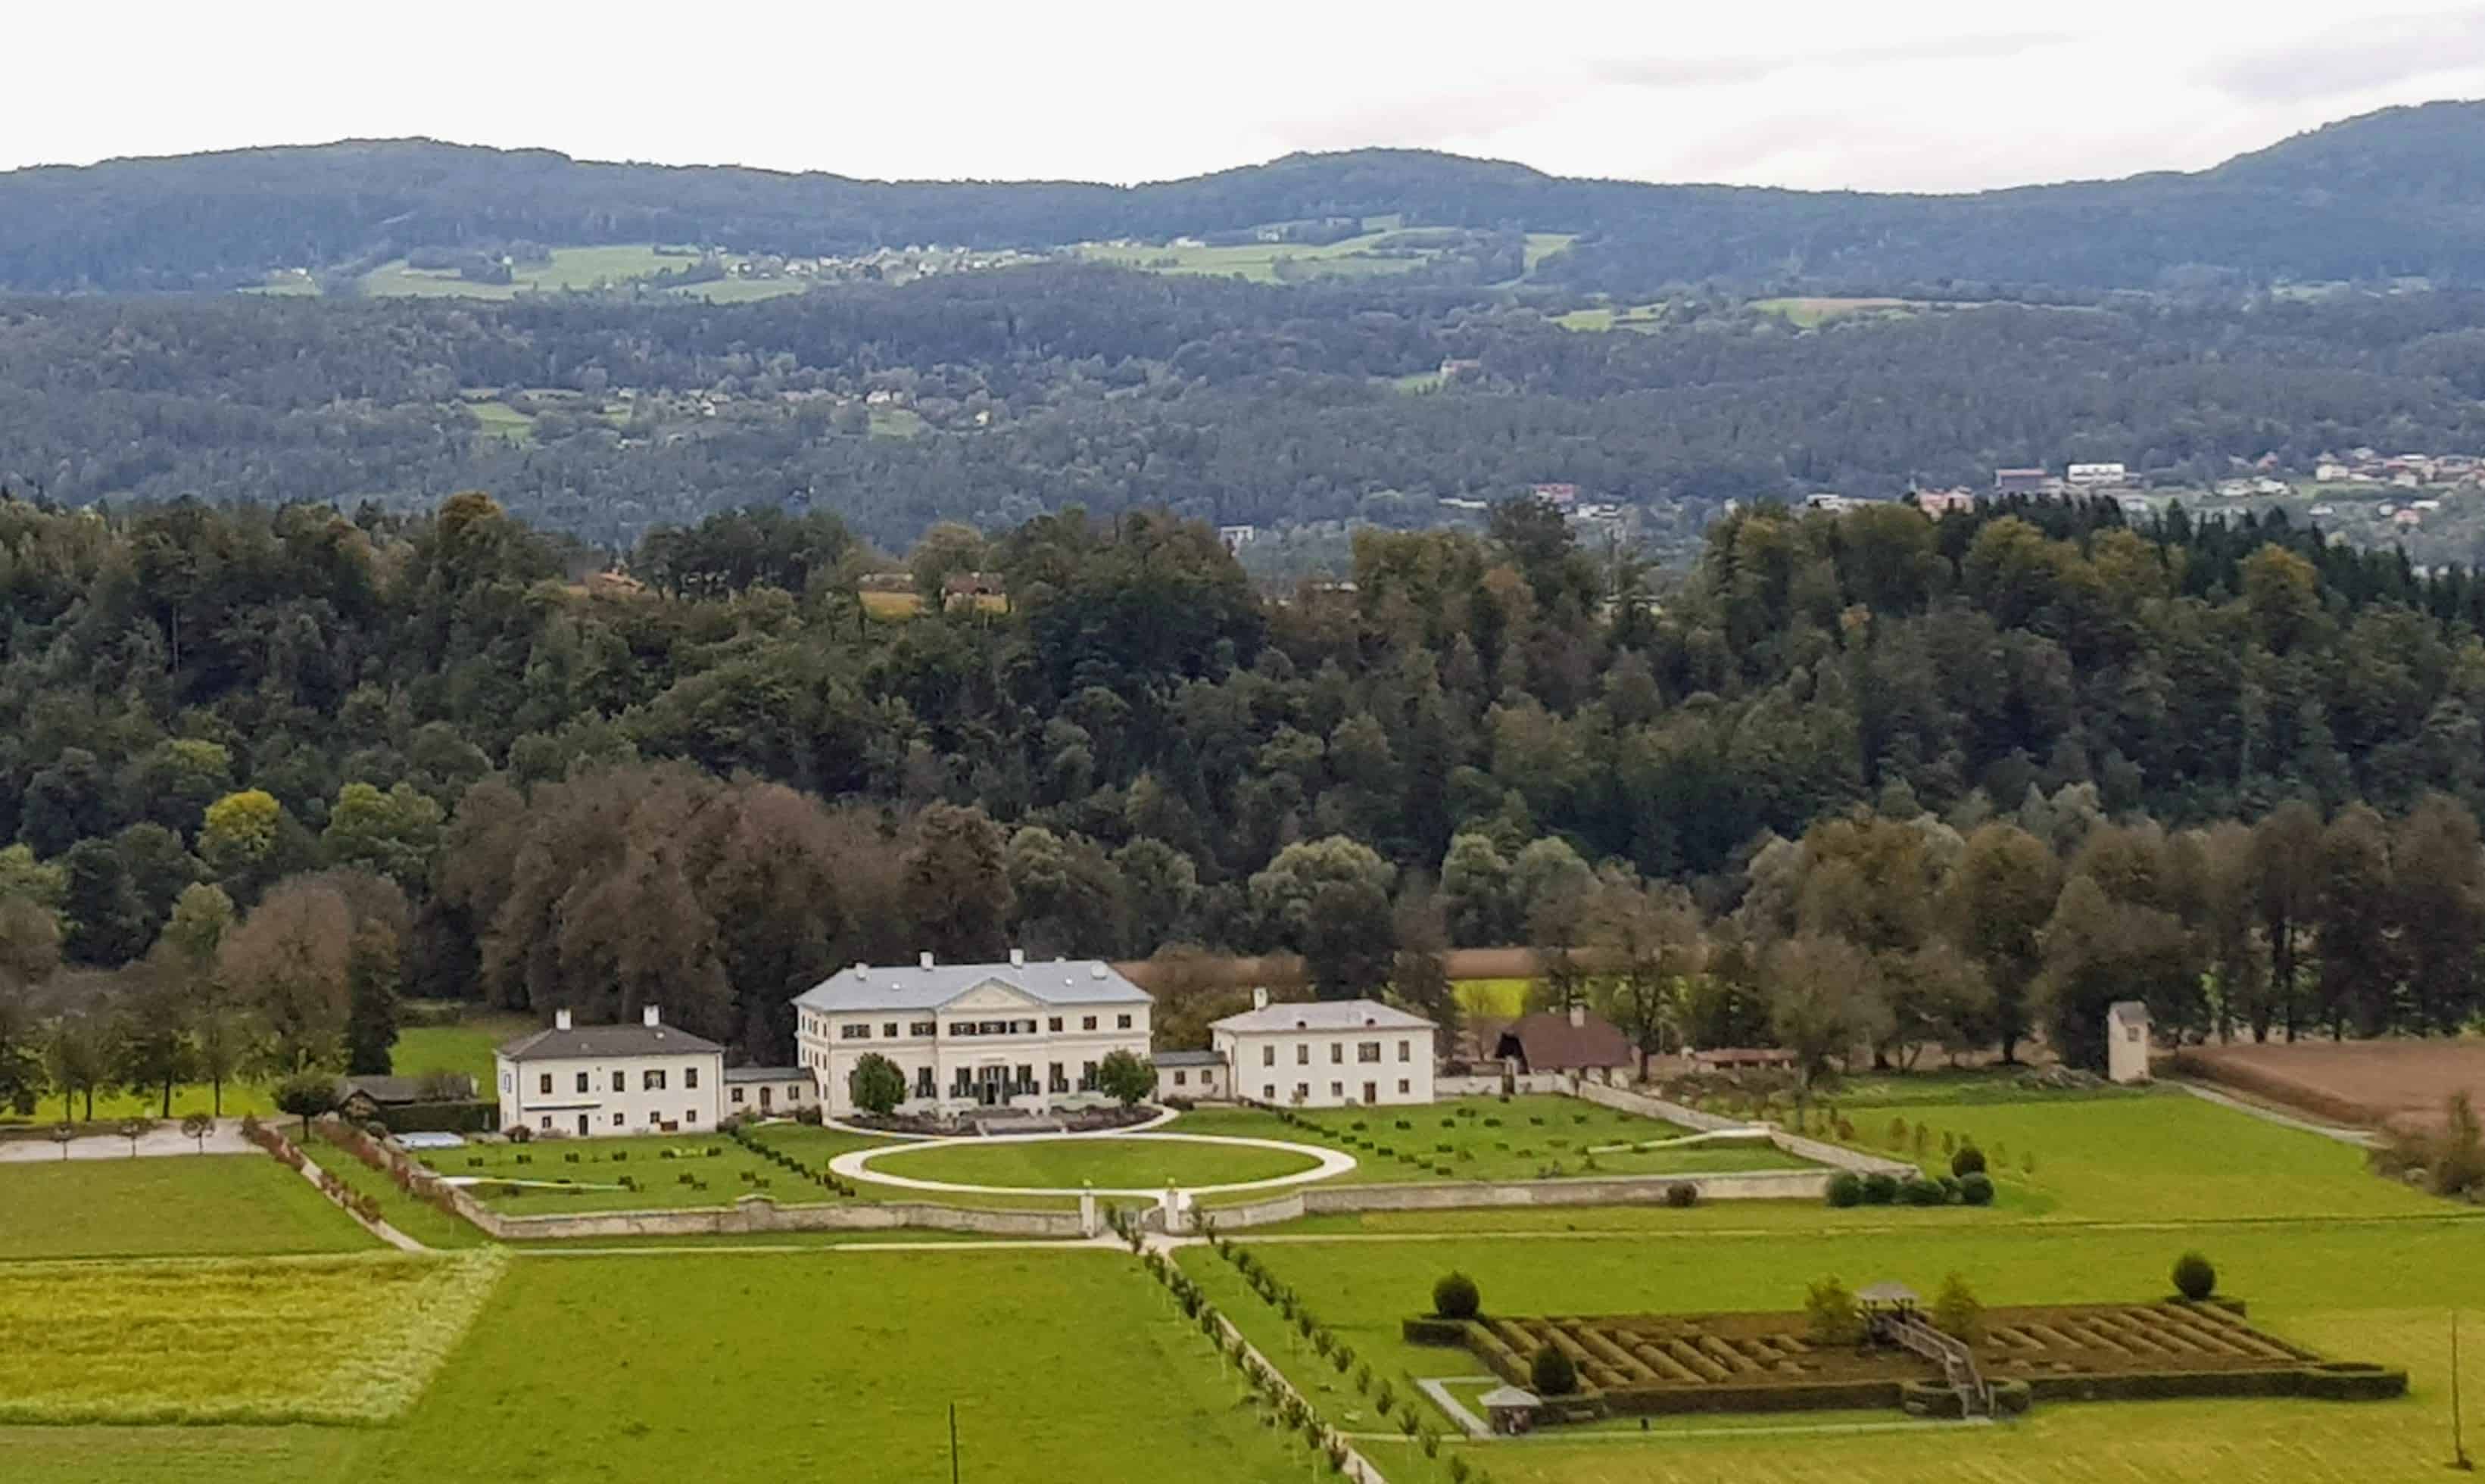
{"x":2331,"y":1381}
{"x":1428,"y":1330}
{"x":457,"y":1117}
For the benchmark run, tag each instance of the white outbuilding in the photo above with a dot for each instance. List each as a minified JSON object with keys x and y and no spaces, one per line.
{"x":587,"y":1082}
{"x":2126,"y":1041}
{"x":1326,"y":1053}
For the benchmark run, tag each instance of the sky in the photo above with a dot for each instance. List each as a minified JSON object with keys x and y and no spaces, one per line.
{"x":1907,"y":95}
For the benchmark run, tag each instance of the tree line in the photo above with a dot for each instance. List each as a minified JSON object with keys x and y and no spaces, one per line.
{"x":2224,"y":766}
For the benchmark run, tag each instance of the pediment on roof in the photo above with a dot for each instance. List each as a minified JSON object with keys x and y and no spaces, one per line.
{"x":991,"y":994}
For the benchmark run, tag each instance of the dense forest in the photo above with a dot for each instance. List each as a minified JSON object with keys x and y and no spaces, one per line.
{"x":2391,"y":194}
{"x":1869,"y":779}
{"x":1028,"y":391}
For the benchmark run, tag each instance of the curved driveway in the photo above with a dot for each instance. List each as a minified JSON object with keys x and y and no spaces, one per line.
{"x":855,"y":1164}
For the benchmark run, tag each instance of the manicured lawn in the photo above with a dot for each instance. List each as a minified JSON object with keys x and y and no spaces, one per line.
{"x":421,"y":1220}
{"x":1063,"y":1365}
{"x":327,"y":1339}
{"x":1948,"y":1086}
{"x":2162,"y":1157}
{"x":1487,"y":1139}
{"x":172,"y":1205}
{"x":710,"y":1170}
{"x":1065,"y":1163}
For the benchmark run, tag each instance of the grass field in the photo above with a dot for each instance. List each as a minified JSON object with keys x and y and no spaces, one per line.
{"x":173,"y":1205}
{"x":340,"y":1339}
{"x":742,"y":290}
{"x":897,"y":423}
{"x":1257,"y":261}
{"x":465,"y":1047}
{"x":1486,"y":1139}
{"x":840,"y":1365}
{"x":570,"y":267}
{"x":500,"y":420}
{"x":1646,"y":318}
{"x":421,"y":1220}
{"x":1067,"y":1163}
{"x":1501,"y":998}
{"x":1808,"y":312}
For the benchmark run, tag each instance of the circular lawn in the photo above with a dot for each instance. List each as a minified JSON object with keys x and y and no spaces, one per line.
{"x":1128,"y":1162}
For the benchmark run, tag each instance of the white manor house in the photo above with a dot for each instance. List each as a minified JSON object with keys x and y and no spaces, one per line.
{"x":592,"y":1081}
{"x":1022,"y":1034}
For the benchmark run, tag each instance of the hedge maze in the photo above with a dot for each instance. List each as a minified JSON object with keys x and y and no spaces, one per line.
{"x":1638,"y":1363}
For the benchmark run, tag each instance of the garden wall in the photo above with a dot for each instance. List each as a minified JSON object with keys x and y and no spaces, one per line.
{"x":1490,"y":1085}
{"x":1834,"y":1156}
{"x":758,"y":1214}
{"x":1579,"y":1191}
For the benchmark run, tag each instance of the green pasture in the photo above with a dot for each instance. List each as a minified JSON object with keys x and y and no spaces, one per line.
{"x":742,"y":290}
{"x":1066,"y":1164}
{"x":1808,"y":313}
{"x":1500,"y":998}
{"x":332,"y":1339}
{"x":610,"y":265}
{"x":464,"y":1046}
{"x":1257,"y":261}
{"x":500,"y":420}
{"x":843,"y":1364}
{"x":166,"y":1205}
{"x":897,"y":423}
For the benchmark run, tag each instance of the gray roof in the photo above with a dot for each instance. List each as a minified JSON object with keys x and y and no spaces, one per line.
{"x":2129,"y":1009}
{"x":766,"y":1073}
{"x":1187,"y":1059}
{"x":908,"y":987}
{"x":593,"y":1042}
{"x":1324,"y":1015}
{"x":1509,"y":1396}
{"x":389,"y":1090}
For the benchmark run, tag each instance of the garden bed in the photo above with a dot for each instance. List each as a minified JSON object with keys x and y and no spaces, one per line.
{"x":1646,"y":1363}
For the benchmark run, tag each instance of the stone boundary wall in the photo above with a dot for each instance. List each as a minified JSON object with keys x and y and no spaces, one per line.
{"x":1485,"y":1194}
{"x":1834,"y":1156}
{"x":759,"y":1214}
{"x":1488,"y":1085}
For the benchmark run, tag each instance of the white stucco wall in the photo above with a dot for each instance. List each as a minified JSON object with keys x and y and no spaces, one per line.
{"x":785,"y":1094}
{"x":692,"y":1095}
{"x":1208,"y":1082}
{"x":1327,"y":1066}
{"x":917,"y":1041}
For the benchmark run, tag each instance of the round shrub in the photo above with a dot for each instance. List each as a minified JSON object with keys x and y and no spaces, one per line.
{"x":1455,"y":1297}
{"x":1681,"y":1195}
{"x":1879,"y":1189}
{"x":1552,"y":1373}
{"x":1920,"y":1191}
{"x":2195,"y":1278}
{"x":1975,"y":1189}
{"x":1968,"y":1161}
{"x":1845,"y":1188}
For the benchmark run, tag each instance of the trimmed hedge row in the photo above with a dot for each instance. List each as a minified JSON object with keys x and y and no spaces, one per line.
{"x":2343,"y":1380}
{"x":457,"y":1117}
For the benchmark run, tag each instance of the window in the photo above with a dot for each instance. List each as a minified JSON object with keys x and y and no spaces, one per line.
{"x":923,"y":1027}
{"x":1337,"y":1089}
{"x":737,"y":1095}
{"x":547,"y":1120}
{"x":1401,"y":1087}
{"x":1268,"y":1092}
{"x":794,"y":1092}
{"x":854,"y":1032}
{"x":690,"y":1078}
{"x":543,"y":1085}
{"x":507,"y":1081}
{"x":1336,"y":1051}
{"x":962,"y":1027}
{"x":1086,"y":1022}
{"x":621,"y":1081}
{"x":616,"y":1121}
{"x":1302,"y":1090}
{"x":2131,"y":1034}
{"x":581,"y":1082}
{"x":1121,"y":1022}
{"x":923,"y":1081}
{"x":889,"y":1032}
{"x":690,"y":1115}
{"x":1367,"y":1051}
{"x":1055,"y":1081}
{"x":652,"y":1080}
{"x":1303,"y":1055}
{"x":1180,"y":1078}
{"x":1268,"y":1055}
{"x":1052,"y":1024}
{"x":1405,"y":1051}
{"x":1087,"y":1077}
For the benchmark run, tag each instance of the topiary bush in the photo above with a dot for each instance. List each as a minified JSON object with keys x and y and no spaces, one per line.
{"x":1968,"y":1161}
{"x":1455,"y":1297}
{"x":2195,"y":1277}
{"x":1845,"y":1188}
{"x":1879,"y":1189}
{"x":1681,"y":1195}
{"x":1975,"y":1189}
{"x":1920,"y":1191}
{"x":1552,"y":1374}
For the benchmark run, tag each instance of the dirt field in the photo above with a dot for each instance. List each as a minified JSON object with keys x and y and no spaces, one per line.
{"x":2372,"y":1084}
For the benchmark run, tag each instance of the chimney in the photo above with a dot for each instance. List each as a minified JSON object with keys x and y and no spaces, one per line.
{"x":650,"y":1017}
{"x":561,"y":1020}
{"x":1018,"y":958}
{"x":1260,"y":996}
{"x":1578,"y":1015}
{"x":923,"y":961}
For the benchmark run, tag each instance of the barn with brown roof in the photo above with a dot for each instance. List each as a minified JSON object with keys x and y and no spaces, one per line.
{"x":1555,"y":1041}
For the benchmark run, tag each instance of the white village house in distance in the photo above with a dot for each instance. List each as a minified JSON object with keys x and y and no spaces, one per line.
{"x":1019,"y":1035}
{"x":1326,"y":1052}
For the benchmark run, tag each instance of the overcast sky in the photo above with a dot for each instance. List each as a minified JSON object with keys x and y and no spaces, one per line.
{"x":1920,"y":95}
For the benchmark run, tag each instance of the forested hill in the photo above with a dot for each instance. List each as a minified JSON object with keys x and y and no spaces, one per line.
{"x":2395,"y":193}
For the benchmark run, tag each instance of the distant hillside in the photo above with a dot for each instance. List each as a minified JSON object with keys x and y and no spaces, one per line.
{"x":2392,"y":194}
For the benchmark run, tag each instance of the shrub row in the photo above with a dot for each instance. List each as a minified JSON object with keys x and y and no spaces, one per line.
{"x":1846,"y":1188}
{"x":740,"y":1133}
